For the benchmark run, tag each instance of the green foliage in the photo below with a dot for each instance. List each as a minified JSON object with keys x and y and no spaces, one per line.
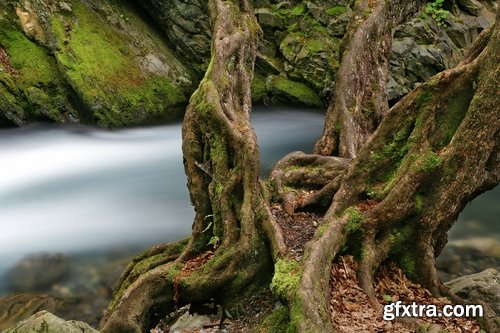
{"x":435,"y":10}
{"x":336,"y":11}
{"x":286,"y":278}
{"x":275,"y":322}
{"x":355,"y":220}
{"x":429,"y":162}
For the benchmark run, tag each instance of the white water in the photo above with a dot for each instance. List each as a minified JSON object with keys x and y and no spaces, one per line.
{"x":73,"y":189}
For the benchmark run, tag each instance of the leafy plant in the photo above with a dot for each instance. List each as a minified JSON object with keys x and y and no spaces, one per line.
{"x":435,"y":9}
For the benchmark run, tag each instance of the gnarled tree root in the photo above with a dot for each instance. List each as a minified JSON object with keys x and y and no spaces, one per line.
{"x":161,"y":289}
{"x":306,"y":180}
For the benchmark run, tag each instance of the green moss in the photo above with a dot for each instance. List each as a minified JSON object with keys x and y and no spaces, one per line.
{"x":419,"y":202}
{"x":296,"y":315}
{"x":30,"y":60}
{"x":429,"y":162}
{"x":449,"y":119}
{"x":323,"y":228}
{"x":407,"y":263}
{"x":298,"y":10}
{"x":100,"y":64}
{"x":286,"y":278}
{"x":422,"y":100}
{"x":275,"y":322}
{"x":336,"y":11}
{"x":390,"y":159}
{"x":355,"y":220}
{"x":259,"y":90}
{"x":294,"y":91}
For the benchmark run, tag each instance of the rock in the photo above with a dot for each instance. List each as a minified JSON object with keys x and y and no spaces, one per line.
{"x":312,"y":59}
{"x":18,"y":307}
{"x":189,"y":322}
{"x":268,"y":18}
{"x":483,"y":286}
{"x":38,"y":272}
{"x":471,"y":6}
{"x":65,"y":7}
{"x":455,"y":261}
{"x":285,"y":90}
{"x":46,"y":322}
{"x":187,"y":26}
{"x":30,"y":22}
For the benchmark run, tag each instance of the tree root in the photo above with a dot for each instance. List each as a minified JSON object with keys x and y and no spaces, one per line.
{"x":316,"y":177}
{"x":164,"y":287}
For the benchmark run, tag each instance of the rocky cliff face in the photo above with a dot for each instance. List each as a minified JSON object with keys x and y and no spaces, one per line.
{"x":123,"y":62}
{"x":93,"y":61}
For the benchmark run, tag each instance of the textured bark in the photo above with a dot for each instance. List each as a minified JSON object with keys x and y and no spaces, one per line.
{"x":435,"y":150}
{"x":221,"y":159}
{"x":360,"y":98}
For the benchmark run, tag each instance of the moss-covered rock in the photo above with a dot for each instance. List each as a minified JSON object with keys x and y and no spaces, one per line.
{"x":31,"y":87}
{"x":119,"y":63}
{"x":99,"y":57}
{"x":46,"y":322}
{"x":286,"y":90}
{"x":119,"y":73}
{"x":313,"y":59}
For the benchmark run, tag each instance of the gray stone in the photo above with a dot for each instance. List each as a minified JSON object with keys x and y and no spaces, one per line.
{"x":471,"y":6}
{"x":483,"y":286}
{"x":46,"y":322}
{"x":189,"y":322}
{"x":37,"y":272}
{"x":65,"y":7}
{"x":268,"y":18}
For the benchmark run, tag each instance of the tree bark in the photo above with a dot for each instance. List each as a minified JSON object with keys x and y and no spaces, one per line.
{"x":221,"y":159}
{"x":390,"y":196}
{"x":434,"y":151}
{"x":359,"y":100}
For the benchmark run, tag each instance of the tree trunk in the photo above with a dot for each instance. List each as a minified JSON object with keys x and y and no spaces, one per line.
{"x":390,"y":196}
{"x":360,"y":98}
{"x":433,"y":152}
{"x":221,"y":159}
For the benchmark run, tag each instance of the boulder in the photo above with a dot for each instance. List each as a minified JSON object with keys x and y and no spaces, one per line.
{"x":46,"y":322}
{"x":483,"y":286}
{"x":37,"y":272}
{"x":18,"y":307}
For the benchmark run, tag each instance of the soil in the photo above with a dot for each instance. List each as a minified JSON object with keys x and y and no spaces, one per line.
{"x":298,"y":229}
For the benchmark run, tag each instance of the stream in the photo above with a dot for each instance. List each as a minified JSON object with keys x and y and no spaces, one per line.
{"x":77,"y":190}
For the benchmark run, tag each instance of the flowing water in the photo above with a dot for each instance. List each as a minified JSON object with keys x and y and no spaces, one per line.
{"x":77,"y":190}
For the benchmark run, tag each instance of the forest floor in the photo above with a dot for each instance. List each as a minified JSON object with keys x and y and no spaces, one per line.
{"x":351,"y":309}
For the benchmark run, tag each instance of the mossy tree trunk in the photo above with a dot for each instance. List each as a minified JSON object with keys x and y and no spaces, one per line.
{"x":227,"y":248}
{"x":403,"y":176}
{"x":360,"y":98}
{"x":433,"y":152}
